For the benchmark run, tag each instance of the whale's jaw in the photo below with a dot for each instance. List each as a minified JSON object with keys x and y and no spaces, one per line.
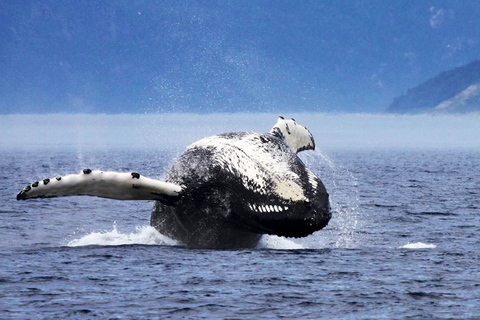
{"x":222,"y":228}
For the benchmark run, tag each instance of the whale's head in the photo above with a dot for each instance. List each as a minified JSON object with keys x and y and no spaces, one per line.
{"x":296,"y":136}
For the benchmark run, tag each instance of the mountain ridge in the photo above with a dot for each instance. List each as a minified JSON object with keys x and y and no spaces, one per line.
{"x":453,"y":91}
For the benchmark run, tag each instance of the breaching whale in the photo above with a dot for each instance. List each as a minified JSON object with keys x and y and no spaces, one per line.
{"x":224,"y":191}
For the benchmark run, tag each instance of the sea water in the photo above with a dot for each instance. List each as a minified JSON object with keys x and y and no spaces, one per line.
{"x":402,"y":243}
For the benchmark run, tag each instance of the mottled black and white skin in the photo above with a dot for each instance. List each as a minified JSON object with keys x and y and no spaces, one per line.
{"x":224,"y":191}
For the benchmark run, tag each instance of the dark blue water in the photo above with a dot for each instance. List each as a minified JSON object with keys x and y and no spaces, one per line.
{"x":403,"y":243}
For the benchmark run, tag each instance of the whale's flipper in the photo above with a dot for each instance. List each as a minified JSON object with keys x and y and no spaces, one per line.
{"x":296,"y":136}
{"x":105,"y":184}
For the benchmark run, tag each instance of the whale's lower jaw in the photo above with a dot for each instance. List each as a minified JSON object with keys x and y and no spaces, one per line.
{"x":298,"y":220}
{"x":222,"y":228}
{"x":294,"y":228}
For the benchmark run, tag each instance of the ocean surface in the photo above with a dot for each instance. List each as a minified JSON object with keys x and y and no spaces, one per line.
{"x":403,"y":242}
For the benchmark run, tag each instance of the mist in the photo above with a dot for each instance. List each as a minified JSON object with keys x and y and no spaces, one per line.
{"x":156,"y":131}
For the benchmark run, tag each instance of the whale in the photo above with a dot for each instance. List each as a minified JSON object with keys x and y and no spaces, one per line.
{"x":223,"y":192}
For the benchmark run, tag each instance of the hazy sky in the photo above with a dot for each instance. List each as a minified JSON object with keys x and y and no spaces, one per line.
{"x":215,"y":56}
{"x":85,"y":133}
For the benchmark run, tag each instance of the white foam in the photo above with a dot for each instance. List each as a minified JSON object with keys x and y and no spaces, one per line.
{"x":418,"y":245}
{"x":278,"y":243}
{"x":145,"y":235}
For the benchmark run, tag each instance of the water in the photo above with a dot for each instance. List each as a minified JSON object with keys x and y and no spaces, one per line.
{"x":403,"y":243}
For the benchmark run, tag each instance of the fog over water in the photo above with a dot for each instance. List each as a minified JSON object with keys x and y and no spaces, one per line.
{"x":178,"y":130}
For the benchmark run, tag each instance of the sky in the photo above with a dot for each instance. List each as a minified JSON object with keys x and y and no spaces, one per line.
{"x":226,"y":56}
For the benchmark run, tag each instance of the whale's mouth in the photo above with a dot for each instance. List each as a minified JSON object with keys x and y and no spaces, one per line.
{"x":295,"y":220}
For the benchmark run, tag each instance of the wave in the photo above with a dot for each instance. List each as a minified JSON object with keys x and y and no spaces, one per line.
{"x":418,"y":245}
{"x":278,"y":243}
{"x":145,"y":235}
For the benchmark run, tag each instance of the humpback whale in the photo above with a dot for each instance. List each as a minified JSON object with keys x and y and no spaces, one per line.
{"x":224,"y":191}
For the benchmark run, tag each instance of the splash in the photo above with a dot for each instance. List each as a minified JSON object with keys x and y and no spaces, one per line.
{"x":145,"y":235}
{"x":278,"y":243}
{"x":418,"y":245}
{"x":342,"y":186}
{"x":342,"y":231}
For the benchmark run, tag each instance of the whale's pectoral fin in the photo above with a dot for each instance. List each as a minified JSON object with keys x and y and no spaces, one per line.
{"x":105,"y":184}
